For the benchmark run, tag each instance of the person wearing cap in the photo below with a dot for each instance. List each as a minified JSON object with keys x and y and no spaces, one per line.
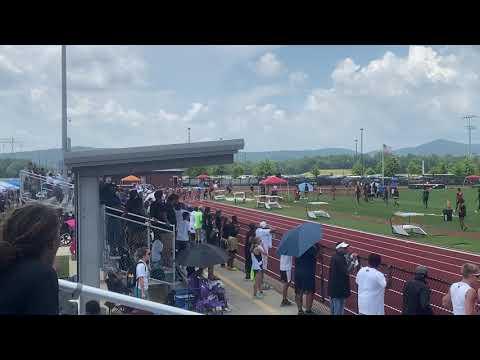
{"x":462,"y":297}
{"x":416,"y":294}
{"x":371,"y":287}
{"x":264,"y":232}
{"x":341,"y":265}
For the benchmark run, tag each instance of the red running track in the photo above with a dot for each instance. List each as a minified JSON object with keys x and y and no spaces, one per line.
{"x":443,"y":264}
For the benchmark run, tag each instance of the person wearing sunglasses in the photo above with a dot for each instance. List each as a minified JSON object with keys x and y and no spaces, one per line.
{"x":462,"y":297}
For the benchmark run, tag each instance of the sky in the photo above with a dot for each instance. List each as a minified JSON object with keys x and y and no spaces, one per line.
{"x":275,"y":97}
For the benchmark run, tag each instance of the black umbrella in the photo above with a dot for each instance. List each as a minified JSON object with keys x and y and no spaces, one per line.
{"x":202,"y":255}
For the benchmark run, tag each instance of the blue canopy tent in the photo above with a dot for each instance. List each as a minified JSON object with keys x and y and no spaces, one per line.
{"x":305,"y":185}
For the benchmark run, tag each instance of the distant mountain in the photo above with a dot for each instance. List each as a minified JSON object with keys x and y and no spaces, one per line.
{"x":290,"y":154}
{"x":44,"y":158}
{"x":439,"y":147}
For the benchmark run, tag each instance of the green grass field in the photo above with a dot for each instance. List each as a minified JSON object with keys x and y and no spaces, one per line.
{"x":374,"y":216}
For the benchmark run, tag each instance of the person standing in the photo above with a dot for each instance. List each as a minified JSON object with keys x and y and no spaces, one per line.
{"x":358,"y":193}
{"x":305,"y":267}
{"x":234,"y":229}
{"x":396,"y":196}
{"x":248,"y":255}
{"x":425,"y":196}
{"x":142,"y":273}
{"x":478,"y":198}
{"x":136,"y":232}
{"x":257,"y":252}
{"x":416,"y":294}
{"x":198,"y":216}
{"x":462,"y":297}
{"x":341,"y":265}
{"x":334,"y":190}
{"x":371,"y":287}
{"x":29,"y":241}
{"x":462,"y":213}
{"x":207,"y":225}
{"x":285,"y":277}
{"x":386,"y":194}
{"x":458,"y":197}
{"x":264,"y":232}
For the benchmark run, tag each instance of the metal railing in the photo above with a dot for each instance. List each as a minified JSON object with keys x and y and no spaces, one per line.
{"x":125,"y":218}
{"x":38,"y":187}
{"x":77,"y":289}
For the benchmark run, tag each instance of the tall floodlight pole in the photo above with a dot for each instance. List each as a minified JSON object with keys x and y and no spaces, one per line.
{"x":64,"y":108}
{"x":188,"y":135}
{"x":361,"y":150}
{"x":470,"y":127}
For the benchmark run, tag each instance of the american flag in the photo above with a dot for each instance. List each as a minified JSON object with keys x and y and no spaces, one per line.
{"x":387,"y":150}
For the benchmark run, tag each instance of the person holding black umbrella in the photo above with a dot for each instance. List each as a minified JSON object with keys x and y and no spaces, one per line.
{"x":305,"y":279}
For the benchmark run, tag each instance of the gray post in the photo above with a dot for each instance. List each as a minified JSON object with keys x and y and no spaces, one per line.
{"x":89,"y":232}
{"x":64,"y":107}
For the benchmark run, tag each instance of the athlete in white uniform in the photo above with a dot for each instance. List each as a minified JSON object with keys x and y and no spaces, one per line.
{"x":462,"y":297}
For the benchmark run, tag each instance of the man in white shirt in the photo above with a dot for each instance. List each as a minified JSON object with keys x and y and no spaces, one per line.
{"x":264,"y":232}
{"x":285,"y":277}
{"x":371,"y":287}
{"x":462,"y":297}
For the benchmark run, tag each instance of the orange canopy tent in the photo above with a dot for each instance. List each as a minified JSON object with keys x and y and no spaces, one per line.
{"x":131,"y":179}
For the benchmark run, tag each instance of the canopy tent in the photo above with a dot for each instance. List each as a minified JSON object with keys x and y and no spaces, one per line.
{"x":130,"y":179}
{"x":273,"y":180}
{"x":203,"y":177}
{"x":302,"y":186}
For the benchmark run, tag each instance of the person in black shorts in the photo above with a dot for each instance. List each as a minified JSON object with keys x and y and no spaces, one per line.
{"x":305,"y":279}
{"x":462,"y":213}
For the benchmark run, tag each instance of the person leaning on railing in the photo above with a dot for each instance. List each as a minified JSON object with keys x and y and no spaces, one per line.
{"x":29,"y":241}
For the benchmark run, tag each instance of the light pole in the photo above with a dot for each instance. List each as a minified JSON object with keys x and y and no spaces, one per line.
{"x":470,"y":127}
{"x":361,"y":149}
{"x":188,"y":136}
{"x":64,"y":107}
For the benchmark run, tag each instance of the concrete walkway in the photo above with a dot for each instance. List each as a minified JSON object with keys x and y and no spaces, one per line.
{"x":240,"y":296}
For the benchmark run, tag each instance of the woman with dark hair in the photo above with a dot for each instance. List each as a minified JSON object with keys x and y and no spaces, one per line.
{"x":29,"y":240}
{"x":248,"y":254}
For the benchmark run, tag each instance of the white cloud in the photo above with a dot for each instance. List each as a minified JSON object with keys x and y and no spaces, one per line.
{"x":269,"y":66}
{"x":113,"y":101}
{"x":196,"y":109}
{"x":297,"y":78}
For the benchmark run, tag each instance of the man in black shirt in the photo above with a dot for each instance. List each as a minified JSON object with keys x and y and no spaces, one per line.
{"x":341,"y":265}
{"x":416,"y":294}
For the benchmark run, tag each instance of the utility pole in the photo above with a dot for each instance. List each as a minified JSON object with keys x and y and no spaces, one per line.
{"x":65,"y":147}
{"x":188,"y":135}
{"x":361,"y":150}
{"x":470,"y":127}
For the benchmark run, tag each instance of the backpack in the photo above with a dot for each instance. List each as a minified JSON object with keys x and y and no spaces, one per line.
{"x":132,"y":275}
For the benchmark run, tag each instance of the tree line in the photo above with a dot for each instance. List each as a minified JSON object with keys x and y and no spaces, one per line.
{"x":409,"y":164}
